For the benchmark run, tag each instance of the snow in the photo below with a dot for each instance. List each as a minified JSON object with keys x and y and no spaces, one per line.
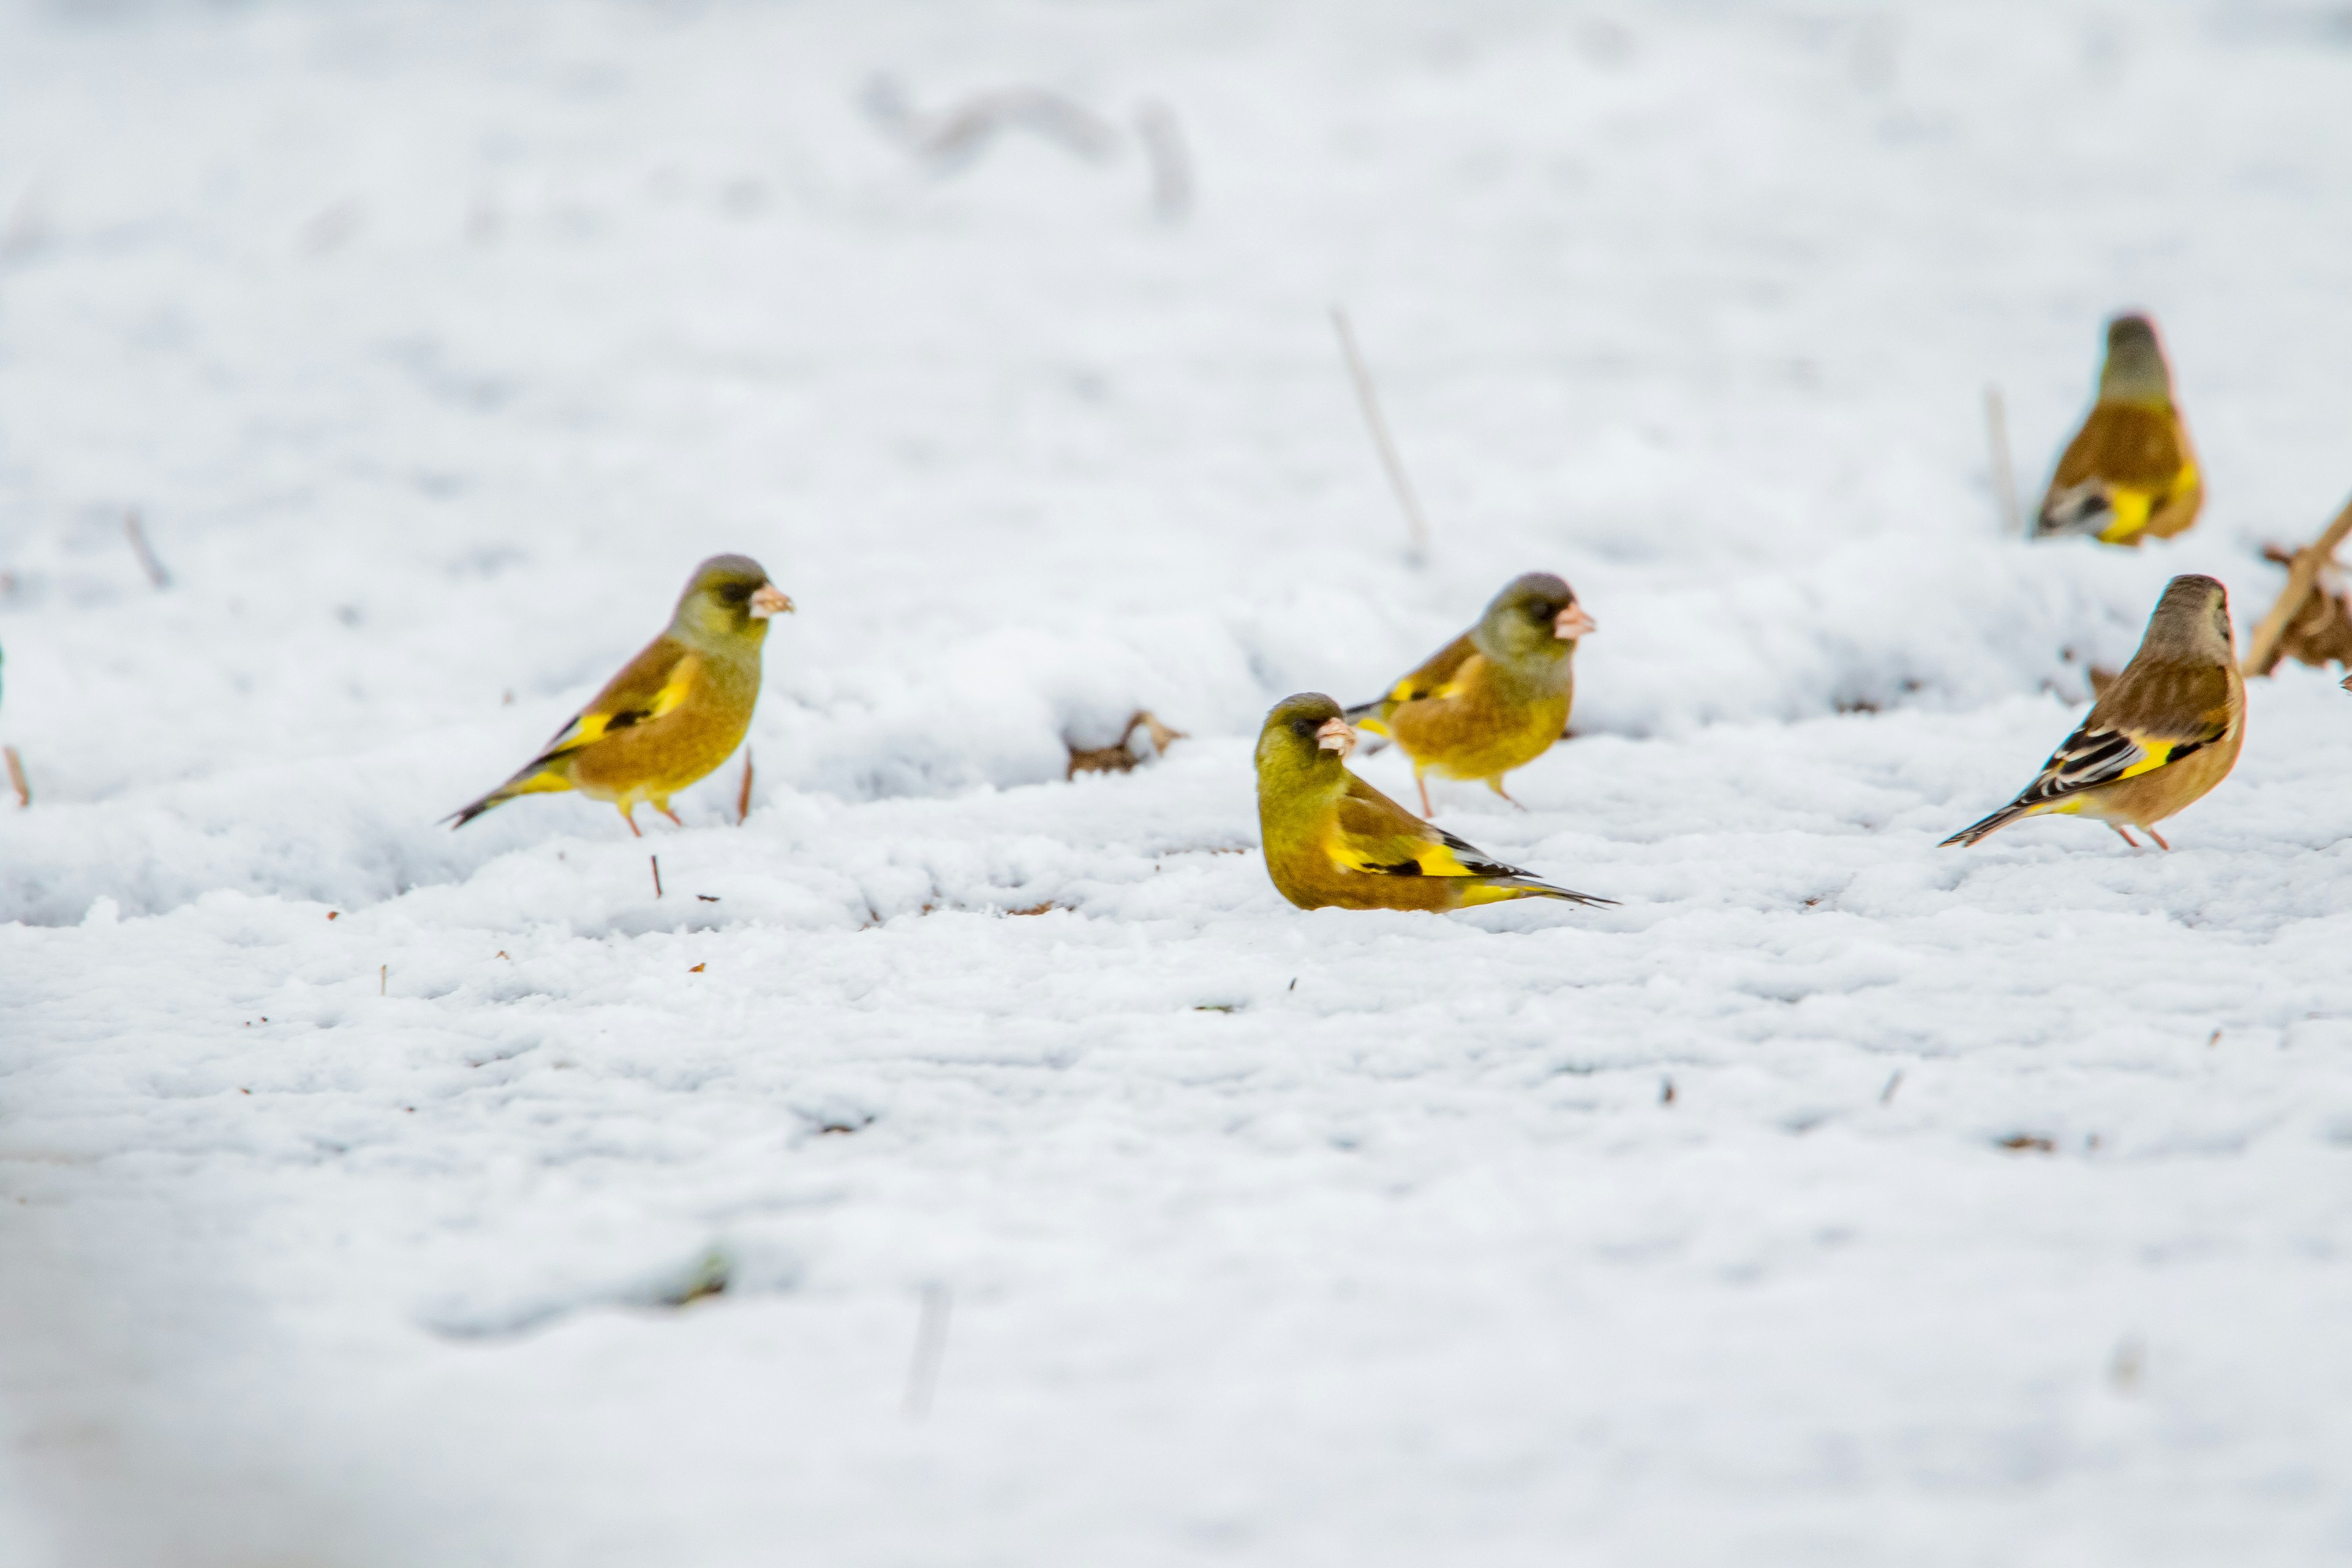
{"x":1836,"y":1199}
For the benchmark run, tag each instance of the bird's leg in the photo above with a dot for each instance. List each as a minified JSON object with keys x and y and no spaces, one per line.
{"x":2152,"y":833}
{"x":1423,"y":784}
{"x":666,"y":811}
{"x":1496,"y":783}
{"x":2126,"y":837}
{"x":628,"y":814}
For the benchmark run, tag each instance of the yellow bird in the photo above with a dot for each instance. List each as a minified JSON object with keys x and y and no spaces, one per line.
{"x":675,"y":712}
{"x":1494,"y":698}
{"x":2165,"y":731}
{"x":2129,"y":473}
{"x":1331,"y":838}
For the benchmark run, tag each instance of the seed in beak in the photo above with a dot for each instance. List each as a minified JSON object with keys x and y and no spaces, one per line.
{"x":769,"y":600}
{"x":1572,"y":623}
{"x":1336,"y":736}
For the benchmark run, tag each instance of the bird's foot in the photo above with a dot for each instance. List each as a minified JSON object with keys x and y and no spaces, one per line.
{"x":2126,"y":837}
{"x":2160,"y":844}
{"x":628,"y":814}
{"x":1427,"y":811}
{"x":671,"y":814}
{"x":1496,"y":785}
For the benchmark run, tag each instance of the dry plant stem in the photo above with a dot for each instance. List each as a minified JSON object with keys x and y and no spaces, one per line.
{"x":1171,"y":167}
{"x":743,"y":794}
{"x":2004,"y":477}
{"x":2263,"y":648}
{"x":657,"y":862}
{"x":137,"y":533}
{"x":931,"y":1345}
{"x":1416,"y":525}
{"x":17,"y":777}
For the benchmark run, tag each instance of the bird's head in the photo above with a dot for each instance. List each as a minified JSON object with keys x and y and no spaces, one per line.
{"x":1535,"y":616}
{"x":2135,"y":371}
{"x":728,"y":598}
{"x":2191,"y":623}
{"x":1304,"y":738}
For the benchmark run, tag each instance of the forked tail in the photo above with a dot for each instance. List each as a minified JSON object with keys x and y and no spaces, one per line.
{"x":1528,"y":888}
{"x":1991,"y":825}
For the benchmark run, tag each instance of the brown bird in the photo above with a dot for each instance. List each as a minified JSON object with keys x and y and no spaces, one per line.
{"x":2129,"y":474}
{"x":2163,"y":733}
{"x":1494,"y":698}
{"x":1333,"y":839}
{"x":675,"y":712}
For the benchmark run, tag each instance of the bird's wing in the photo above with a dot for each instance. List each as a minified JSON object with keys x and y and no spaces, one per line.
{"x":2148,"y":719}
{"x":1436,"y":675}
{"x":1378,"y":836}
{"x":648,"y":685}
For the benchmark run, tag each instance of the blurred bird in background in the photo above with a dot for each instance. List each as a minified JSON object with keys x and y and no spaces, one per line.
{"x":675,"y":712}
{"x":1494,"y":698}
{"x":2129,"y":474}
{"x":1333,"y":839}
{"x":2165,"y":731}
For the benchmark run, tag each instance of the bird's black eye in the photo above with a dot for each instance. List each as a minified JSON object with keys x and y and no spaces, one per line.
{"x":736,"y":593}
{"x":1302,"y":728}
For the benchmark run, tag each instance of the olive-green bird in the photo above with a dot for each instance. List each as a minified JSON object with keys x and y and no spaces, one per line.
{"x":1331,"y":838}
{"x":1494,"y":698}
{"x":675,"y":712}
{"x":2129,"y":474}
{"x":2164,"y":733}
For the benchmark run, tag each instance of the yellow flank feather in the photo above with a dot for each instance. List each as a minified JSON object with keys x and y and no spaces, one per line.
{"x":2161,"y":737}
{"x":1331,"y":839}
{"x":1494,"y":699}
{"x":674,"y":712}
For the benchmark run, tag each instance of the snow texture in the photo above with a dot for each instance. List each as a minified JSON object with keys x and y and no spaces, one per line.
{"x":374,"y":1195}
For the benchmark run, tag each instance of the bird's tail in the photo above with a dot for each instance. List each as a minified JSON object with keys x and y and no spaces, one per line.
{"x":1495,"y":889}
{"x":541,"y":777}
{"x":1989,"y":826}
{"x":1368,"y":715}
{"x":2086,"y":507}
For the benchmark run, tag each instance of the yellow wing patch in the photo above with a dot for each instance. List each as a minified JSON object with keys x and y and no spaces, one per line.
{"x":2134,"y":504}
{"x":1399,"y":858}
{"x":591,"y":726}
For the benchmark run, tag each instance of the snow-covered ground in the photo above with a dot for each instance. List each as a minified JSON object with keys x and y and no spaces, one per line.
{"x":1836,"y":1199}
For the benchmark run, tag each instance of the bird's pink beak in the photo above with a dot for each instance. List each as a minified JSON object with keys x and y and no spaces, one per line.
{"x":1336,"y":736}
{"x":769,"y":600}
{"x":1572,"y":623}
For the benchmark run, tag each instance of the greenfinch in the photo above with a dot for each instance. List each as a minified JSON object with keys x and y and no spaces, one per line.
{"x":2129,"y":474}
{"x":1331,"y":838}
{"x":1494,"y":698}
{"x":2163,"y":733}
{"x":675,"y":712}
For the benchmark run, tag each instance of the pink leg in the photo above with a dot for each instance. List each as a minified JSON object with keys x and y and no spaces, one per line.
{"x":1423,"y":784}
{"x":2160,"y":844}
{"x":2126,"y":837}
{"x":628,"y":814}
{"x":668,"y":813}
{"x":1496,"y":783}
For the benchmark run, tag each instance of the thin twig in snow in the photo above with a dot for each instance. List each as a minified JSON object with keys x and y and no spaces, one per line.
{"x":2004,"y":477}
{"x":1172,"y":166}
{"x":1417,"y":551}
{"x":930,"y":1346}
{"x":743,"y":795}
{"x":656,"y":860}
{"x":136,"y":531}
